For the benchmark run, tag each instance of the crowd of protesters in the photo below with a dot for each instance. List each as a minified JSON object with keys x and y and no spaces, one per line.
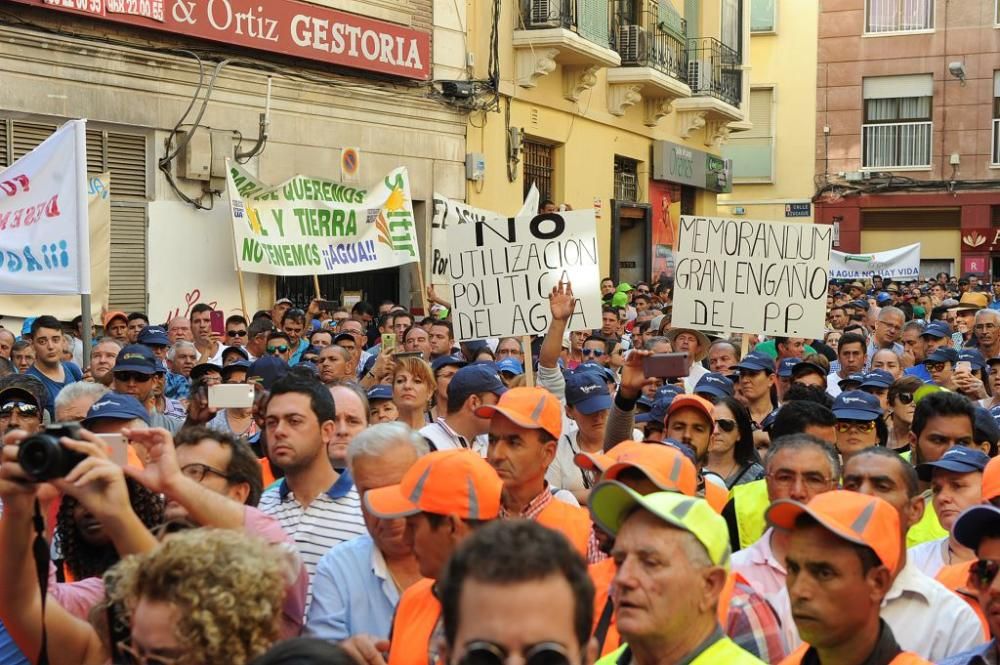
{"x":387,"y":495}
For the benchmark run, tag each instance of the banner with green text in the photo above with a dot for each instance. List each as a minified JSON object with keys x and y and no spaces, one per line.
{"x":313,"y":226}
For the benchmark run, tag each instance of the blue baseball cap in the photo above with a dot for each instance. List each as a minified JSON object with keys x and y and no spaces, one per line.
{"x":985,"y":425}
{"x":115,"y":406}
{"x":135,"y":358}
{"x":587,"y":392}
{"x":942,"y":354}
{"x":475,"y":379}
{"x":974,"y":357}
{"x":243,"y":353}
{"x":786,"y":365}
{"x":807,"y":366}
{"x":687,"y":450}
{"x":153,"y":336}
{"x":877,"y":378}
{"x":667,"y":390}
{"x":379,"y":392}
{"x":974,"y":523}
{"x":597,"y":368}
{"x":239,"y":364}
{"x":857,"y":405}
{"x":26,"y":326}
{"x":995,"y":413}
{"x":714,"y":384}
{"x":937,"y":329}
{"x":959,"y":459}
{"x":267,"y":370}
{"x":769,"y":419}
{"x":447,"y":361}
{"x":201,"y":369}
{"x":658,"y":412}
{"x":756,"y":362}
{"x":883,"y":297}
{"x":510,"y":366}
{"x":856,"y":377}
{"x":160,"y":367}
{"x":645,"y":402}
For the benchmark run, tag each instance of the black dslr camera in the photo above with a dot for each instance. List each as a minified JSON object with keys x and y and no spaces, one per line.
{"x":43,"y":458}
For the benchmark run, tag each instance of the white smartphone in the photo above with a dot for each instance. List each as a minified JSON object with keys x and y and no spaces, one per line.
{"x":963,"y":366}
{"x":230,"y":396}
{"x":117,"y":447}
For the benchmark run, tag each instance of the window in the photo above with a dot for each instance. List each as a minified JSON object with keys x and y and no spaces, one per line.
{"x":538,"y":168}
{"x":762,"y":15}
{"x":626,"y":179}
{"x":124,"y":155}
{"x":887,"y":16}
{"x":995,"y":159}
{"x":731,"y":29}
{"x":897,"y":122}
{"x":752,"y":151}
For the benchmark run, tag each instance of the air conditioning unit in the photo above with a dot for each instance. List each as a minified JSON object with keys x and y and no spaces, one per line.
{"x":545,"y":13}
{"x":700,"y":76}
{"x":632,"y":44}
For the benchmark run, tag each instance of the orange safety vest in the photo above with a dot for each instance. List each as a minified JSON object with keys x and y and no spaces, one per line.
{"x":571,"y":521}
{"x":904,"y":658}
{"x":265,"y":470}
{"x":413,"y":626}
{"x":716,"y":496}
{"x":956,"y":578}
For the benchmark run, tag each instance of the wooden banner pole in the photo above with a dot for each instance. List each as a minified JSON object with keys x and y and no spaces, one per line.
{"x":529,"y":365}
{"x":243,"y":294}
{"x":319,"y":296}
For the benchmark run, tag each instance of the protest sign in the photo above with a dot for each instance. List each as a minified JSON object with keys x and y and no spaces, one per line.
{"x":448,"y":213}
{"x":43,"y":217}
{"x":503,"y":270}
{"x":65,"y":308}
{"x":902,"y":263}
{"x":312,"y":226}
{"x":745,"y":276}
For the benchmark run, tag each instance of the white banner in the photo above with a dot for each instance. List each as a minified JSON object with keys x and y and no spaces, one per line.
{"x":312,"y":226}
{"x":902,"y":263}
{"x":448,"y":213}
{"x":745,"y":276}
{"x":44,"y":235}
{"x":502,"y":272}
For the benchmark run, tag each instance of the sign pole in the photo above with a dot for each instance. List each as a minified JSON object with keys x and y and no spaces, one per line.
{"x":86,"y":324}
{"x":529,"y":365}
{"x":83,"y":235}
{"x":423,"y":290}
{"x":243,"y":293}
{"x":744,"y":345}
{"x":319,"y":296}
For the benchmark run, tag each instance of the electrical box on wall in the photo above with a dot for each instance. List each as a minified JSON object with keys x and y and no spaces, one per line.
{"x":194,"y":162}
{"x":475,"y":166}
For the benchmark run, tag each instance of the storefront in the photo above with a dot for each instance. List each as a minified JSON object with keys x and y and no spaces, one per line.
{"x":169,"y":96}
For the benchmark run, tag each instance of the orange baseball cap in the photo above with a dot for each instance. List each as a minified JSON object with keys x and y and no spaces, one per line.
{"x":666,"y":466}
{"x":601,"y":461}
{"x":531,"y":408}
{"x":690,"y":402}
{"x":857,"y":518}
{"x":991,"y":479}
{"x":446,"y":482}
{"x":111,"y":316}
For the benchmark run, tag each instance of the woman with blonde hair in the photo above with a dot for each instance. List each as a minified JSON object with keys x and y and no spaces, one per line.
{"x":413,"y":387}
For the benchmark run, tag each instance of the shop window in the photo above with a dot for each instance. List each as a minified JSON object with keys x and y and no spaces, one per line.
{"x":890,"y":16}
{"x":762,"y":15}
{"x":752,"y":151}
{"x":539,"y":165}
{"x":125,"y":157}
{"x":626,"y":179}
{"x":897,"y":128}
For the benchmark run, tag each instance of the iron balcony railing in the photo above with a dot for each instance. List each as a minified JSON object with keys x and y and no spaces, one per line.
{"x":587,"y":18}
{"x":650,"y":34}
{"x":714,"y":70}
{"x":896,"y":145}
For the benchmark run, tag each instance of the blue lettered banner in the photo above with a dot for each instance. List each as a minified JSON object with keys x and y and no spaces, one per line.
{"x":312,"y":226}
{"x":44,"y":237}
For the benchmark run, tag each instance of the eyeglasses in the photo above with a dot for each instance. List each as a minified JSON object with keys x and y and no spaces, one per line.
{"x":859,"y":426}
{"x":814,"y":481}
{"x":125,"y":377}
{"x":488,"y":653}
{"x":725,"y":424}
{"x":277,"y":349}
{"x":984,"y":571}
{"x":136,"y":657}
{"x":597,"y":353}
{"x":236,"y":333}
{"x":23,"y":408}
{"x":197,"y":472}
{"x":905,"y":398}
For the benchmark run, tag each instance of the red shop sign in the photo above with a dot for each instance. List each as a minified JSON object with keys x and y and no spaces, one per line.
{"x":279,"y":26}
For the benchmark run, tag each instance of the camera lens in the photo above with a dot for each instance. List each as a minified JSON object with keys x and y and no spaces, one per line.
{"x":43,"y":458}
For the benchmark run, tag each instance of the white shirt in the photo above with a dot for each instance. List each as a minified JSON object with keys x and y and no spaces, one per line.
{"x":832,"y":387}
{"x":563,"y":472}
{"x":758,"y":565}
{"x":930,"y":557}
{"x":445,"y":438}
{"x":694,"y":375}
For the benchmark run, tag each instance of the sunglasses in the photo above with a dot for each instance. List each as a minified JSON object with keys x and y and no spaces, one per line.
{"x":934,"y":367}
{"x":844,"y":426}
{"x":488,"y":653}
{"x":905,"y":398}
{"x":125,"y":377}
{"x":984,"y":571}
{"x":23,"y":408}
{"x":597,"y":353}
{"x":725,"y":424}
{"x":236,"y":333}
{"x":277,"y":349}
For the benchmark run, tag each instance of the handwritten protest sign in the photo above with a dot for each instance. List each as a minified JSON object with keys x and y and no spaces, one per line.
{"x":502,"y":272}
{"x":745,"y":276}
{"x":902,"y":263}
{"x":43,"y":217}
{"x":312,"y":226}
{"x":448,"y":213}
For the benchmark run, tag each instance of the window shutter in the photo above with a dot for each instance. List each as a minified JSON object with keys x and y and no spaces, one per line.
{"x":4,"y":143}
{"x":27,"y":136}
{"x":760,"y":114}
{"x":128,"y":254}
{"x":891,"y":87}
{"x":126,"y":159}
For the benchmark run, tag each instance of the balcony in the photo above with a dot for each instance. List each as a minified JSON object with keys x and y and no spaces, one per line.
{"x":715,"y":76}
{"x":896,"y":146}
{"x":995,"y":159}
{"x":570,"y":33}
{"x":650,"y":38}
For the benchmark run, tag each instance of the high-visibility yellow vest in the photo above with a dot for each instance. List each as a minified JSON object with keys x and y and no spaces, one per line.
{"x":750,"y":501}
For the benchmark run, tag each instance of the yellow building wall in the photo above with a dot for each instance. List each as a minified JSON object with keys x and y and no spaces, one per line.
{"x":785,"y":60}
{"x":934,"y":243}
{"x":586,"y":134}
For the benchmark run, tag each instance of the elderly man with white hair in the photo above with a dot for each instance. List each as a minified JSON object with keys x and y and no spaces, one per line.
{"x":358,"y":582}
{"x":987,"y":330}
{"x":73,"y":401}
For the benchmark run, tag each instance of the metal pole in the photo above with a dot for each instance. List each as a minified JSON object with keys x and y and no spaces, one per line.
{"x":86,"y":324}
